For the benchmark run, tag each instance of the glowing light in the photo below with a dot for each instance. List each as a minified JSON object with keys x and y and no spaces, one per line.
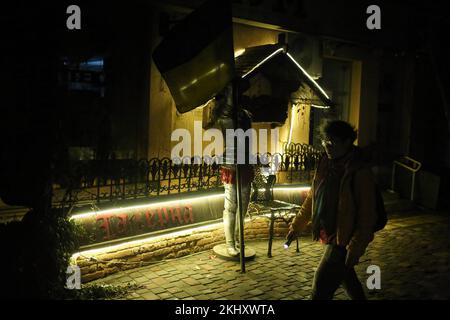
{"x":171,"y":235}
{"x":264,"y":60}
{"x":150,"y":239}
{"x":171,"y":202}
{"x":291,"y":124}
{"x":239,"y":52}
{"x":307,"y":75}
{"x":148,"y":205}
{"x":292,"y":189}
{"x":205,"y":104}
{"x":124,"y":245}
{"x":298,"y":66}
{"x":288,"y":189}
{"x":320,"y":107}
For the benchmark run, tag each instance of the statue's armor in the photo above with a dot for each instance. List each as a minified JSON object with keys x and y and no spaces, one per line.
{"x":223,"y":119}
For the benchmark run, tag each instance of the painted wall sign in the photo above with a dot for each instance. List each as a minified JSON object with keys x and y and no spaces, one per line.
{"x":120,"y":223}
{"x":114,"y":225}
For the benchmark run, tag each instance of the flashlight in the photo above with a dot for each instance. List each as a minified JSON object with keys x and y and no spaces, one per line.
{"x":290,"y":238}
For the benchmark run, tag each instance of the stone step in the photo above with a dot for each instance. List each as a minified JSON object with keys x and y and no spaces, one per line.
{"x":399,"y":205}
{"x":389,"y":195}
{"x":393,"y":202}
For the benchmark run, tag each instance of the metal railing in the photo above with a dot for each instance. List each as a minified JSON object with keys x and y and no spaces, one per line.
{"x":95,"y":181}
{"x":410,"y":165}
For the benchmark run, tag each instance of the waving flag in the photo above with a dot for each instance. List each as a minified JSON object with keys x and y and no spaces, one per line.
{"x":196,"y":58}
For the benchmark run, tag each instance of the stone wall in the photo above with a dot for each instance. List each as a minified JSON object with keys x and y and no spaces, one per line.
{"x":100,"y":263}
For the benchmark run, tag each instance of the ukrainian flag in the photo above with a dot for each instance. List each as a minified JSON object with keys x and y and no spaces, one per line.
{"x":196,"y":58}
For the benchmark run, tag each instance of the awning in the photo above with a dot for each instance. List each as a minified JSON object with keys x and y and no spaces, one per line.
{"x":276,"y":63}
{"x":196,"y":61}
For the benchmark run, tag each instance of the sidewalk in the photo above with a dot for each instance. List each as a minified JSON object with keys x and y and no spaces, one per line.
{"x":413,"y":253}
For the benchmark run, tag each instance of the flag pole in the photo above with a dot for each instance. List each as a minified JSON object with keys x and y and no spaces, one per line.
{"x":239,"y":180}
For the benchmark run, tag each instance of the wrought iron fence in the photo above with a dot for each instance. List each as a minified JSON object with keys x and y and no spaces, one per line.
{"x":99,"y":181}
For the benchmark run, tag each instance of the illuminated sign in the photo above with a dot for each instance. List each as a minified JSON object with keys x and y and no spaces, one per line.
{"x":182,"y":212}
{"x":117,"y":223}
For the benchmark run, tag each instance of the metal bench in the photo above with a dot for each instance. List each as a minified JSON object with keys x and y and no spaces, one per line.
{"x":262,"y":203}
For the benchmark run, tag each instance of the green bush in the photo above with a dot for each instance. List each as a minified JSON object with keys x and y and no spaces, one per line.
{"x":36,"y":253}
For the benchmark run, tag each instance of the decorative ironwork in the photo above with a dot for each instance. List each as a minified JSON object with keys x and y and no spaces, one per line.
{"x":96,"y":181}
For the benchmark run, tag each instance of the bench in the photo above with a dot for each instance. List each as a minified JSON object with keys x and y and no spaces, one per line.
{"x":262,"y":203}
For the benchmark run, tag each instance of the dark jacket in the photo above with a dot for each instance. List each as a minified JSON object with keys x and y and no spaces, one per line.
{"x":356,"y":214}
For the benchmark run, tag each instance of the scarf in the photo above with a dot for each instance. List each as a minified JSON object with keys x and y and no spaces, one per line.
{"x":327,"y":199}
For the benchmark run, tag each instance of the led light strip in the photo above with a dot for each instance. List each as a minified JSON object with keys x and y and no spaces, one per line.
{"x":298,"y":65}
{"x":294,"y":106}
{"x":142,"y":206}
{"x":288,"y":189}
{"x":320,"y":107}
{"x":307,"y":75}
{"x":169,"y":235}
{"x":125,"y":245}
{"x":178,"y":201}
{"x":264,"y":60}
{"x":292,"y":189}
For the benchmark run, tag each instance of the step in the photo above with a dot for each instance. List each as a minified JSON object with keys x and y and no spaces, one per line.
{"x":389,"y":195}
{"x":399,"y":205}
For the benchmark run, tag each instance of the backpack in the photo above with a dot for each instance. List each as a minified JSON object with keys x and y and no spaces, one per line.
{"x":379,"y":208}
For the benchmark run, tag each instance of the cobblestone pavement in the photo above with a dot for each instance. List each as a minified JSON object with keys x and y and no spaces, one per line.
{"x":413,"y":253}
